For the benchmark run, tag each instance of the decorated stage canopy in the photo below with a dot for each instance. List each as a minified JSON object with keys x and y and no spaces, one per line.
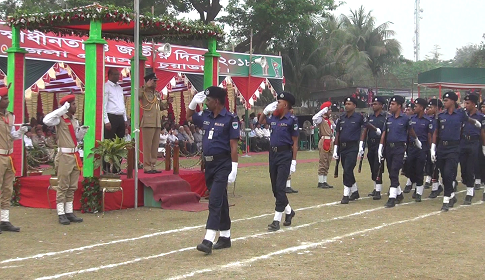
{"x":453,"y":78}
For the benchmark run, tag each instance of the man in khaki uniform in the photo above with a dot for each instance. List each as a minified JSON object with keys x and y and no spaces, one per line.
{"x":7,"y":170}
{"x":325,"y":144}
{"x":69,"y":164}
{"x":151,"y":122}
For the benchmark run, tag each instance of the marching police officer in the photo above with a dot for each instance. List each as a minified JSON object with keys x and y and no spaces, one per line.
{"x":219,"y":145}
{"x":282,"y":154}
{"x":325,"y":144}
{"x":416,"y":159}
{"x":434,"y":108}
{"x":69,"y":163}
{"x":470,"y":147}
{"x":446,"y":151}
{"x":347,"y":146}
{"x":7,"y":171}
{"x":394,"y":138}
{"x":378,"y":119}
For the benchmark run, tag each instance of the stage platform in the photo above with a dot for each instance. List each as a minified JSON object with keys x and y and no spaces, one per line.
{"x":33,"y":190}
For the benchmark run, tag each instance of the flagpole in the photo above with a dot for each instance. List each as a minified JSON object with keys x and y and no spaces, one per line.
{"x":246,"y":114}
{"x":136,"y":72}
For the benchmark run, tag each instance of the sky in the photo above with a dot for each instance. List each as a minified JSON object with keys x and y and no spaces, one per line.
{"x":446,"y":23}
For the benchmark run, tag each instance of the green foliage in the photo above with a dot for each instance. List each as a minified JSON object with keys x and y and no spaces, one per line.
{"x":91,"y":195}
{"x":111,"y":151}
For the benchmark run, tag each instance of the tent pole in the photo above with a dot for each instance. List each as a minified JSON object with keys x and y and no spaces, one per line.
{"x":440,"y":90}
{"x":137,"y":87}
{"x":246,"y":113}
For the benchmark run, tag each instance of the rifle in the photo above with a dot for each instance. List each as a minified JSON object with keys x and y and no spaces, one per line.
{"x":335,"y":173}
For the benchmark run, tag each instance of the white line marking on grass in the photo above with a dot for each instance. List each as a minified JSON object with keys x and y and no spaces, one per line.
{"x":305,"y":246}
{"x":93,"y":269}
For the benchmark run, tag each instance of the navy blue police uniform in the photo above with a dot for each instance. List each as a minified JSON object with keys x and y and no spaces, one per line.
{"x":432,"y":169}
{"x":373,"y":140}
{"x":281,"y":151}
{"x":470,"y":148}
{"x":217,"y":133}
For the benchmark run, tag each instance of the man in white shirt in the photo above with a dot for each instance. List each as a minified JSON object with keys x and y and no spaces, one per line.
{"x":28,"y":140}
{"x":266,"y":131}
{"x":114,"y":111}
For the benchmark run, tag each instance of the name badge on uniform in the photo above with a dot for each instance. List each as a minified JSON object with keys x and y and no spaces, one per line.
{"x":211,"y":133}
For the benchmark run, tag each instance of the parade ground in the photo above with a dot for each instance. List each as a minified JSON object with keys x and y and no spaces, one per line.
{"x":327,"y":240}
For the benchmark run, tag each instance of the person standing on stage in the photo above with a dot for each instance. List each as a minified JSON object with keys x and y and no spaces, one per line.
{"x":69,"y":163}
{"x":7,"y":171}
{"x":325,"y":144}
{"x":416,"y":160}
{"x":470,"y":147}
{"x":377,"y":119}
{"x":151,"y":122}
{"x":446,"y":152}
{"x":282,"y":154}
{"x":220,"y":130}
{"x":394,"y":138}
{"x":347,"y":146}
{"x":114,"y":111}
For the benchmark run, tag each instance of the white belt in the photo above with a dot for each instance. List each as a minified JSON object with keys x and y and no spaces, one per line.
{"x":67,"y":150}
{"x":6,"y":152}
{"x":326,"y":137}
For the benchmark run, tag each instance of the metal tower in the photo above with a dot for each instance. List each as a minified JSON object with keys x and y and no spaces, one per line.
{"x":417,"y":17}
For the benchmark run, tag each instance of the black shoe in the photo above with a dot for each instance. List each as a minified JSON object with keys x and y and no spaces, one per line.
{"x":274,"y":226}
{"x":445,"y":207}
{"x":391,"y":202}
{"x":320,"y":186}
{"x":288,"y":218}
{"x":417,"y":198}
{"x":399,"y":198}
{"x":407,"y":189}
{"x":468,"y":200}
{"x":7,"y":226}
{"x":122,"y":173}
{"x":148,"y":171}
{"x":452,"y":202}
{"x":205,"y":246}
{"x":72,"y":218}
{"x":290,"y":190}
{"x":354,"y":196}
{"x":373,"y":193}
{"x":63,"y":220}
{"x":345,"y":200}
{"x":156,"y":171}
{"x":477,"y":187}
{"x":222,"y":242}
{"x":427,"y":185}
{"x":414,"y":194}
{"x":377,"y":196}
{"x":327,"y":186}
{"x":433,"y":194}
{"x":440,"y":190}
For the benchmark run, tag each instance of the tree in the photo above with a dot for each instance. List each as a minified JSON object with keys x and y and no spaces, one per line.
{"x":464,"y":55}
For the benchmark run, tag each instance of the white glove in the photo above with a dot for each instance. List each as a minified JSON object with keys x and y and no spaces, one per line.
{"x":63,"y":110}
{"x":270,"y":108}
{"x":361,"y":149}
{"x":418,"y":143}
{"x":433,"y":152}
{"x":380,"y":152}
{"x":198,"y":98}
{"x":483,"y":150}
{"x":378,"y":132}
{"x":293,"y":166}
{"x":335,"y":155}
{"x":81,"y":132}
{"x":322,"y":112}
{"x":23,"y":129}
{"x":478,"y":124}
{"x":232,"y":176}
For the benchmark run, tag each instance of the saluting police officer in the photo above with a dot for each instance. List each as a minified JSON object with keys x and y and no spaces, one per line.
{"x":219,"y":146}
{"x":347,"y":147}
{"x":470,"y":147}
{"x":69,"y":163}
{"x":282,"y":154}
{"x":7,"y":171}
{"x":435,"y":106}
{"x":446,"y":152}
{"x":416,"y":159}
{"x":378,"y":119}
{"x":394,"y":138}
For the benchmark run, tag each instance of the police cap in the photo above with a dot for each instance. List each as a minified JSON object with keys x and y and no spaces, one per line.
{"x":286,"y":96}
{"x":216,"y":92}
{"x":472,"y":97}
{"x":435,"y":101}
{"x":351,"y":99}
{"x":379,"y":99}
{"x":398,"y":99}
{"x":421,"y":101}
{"x":451,"y":95}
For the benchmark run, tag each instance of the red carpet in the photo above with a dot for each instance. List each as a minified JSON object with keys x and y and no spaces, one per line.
{"x":33,"y":190}
{"x":174,"y":193}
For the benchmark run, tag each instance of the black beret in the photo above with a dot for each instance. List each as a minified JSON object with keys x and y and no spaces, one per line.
{"x":150,"y":76}
{"x":435,"y":101}
{"x":421,"y":101}
{"x":379,"y":99}
{"x":351,"y":99}
{"x":410,"y":105}
{"x":286,"y":96}
{"x":483,"y":103}
{"x":398,"y":99}
{"x":215,"y":92}
{"x":451,"y":95}
{"x":472,"y":97}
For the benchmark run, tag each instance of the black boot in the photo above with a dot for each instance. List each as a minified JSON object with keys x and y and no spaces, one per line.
{"x":417,"y":198}
{"x":274,"y":226}
{"x":288,"y":218}
{"x":377,"y":196}
{"x":407,"y":188}
{"x":72,"y":218}
{"x":399,"y":198}
{"x":64,"y":220}
{"x":440,"y":190}
{"x":345,"y":200}
{"x":354,"y":196}
{"x":391,"y":202}
{"x":452,"y":202}
{"x":222,"y":242}
{"x":414,"y":194}
{"x":477,"y":187}
{"x":290,"y":190}
{"x":468,"y":200}
{"x":445,"y":207}
{"x":427,"y":185}
{"x":205,"y":246}
{"x":320,"y":186}
{"x":373,"y":193}
{"x":7,"y":226}
{"x":327,"y":186}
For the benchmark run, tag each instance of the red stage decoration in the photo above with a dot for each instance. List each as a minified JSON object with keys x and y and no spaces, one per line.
{"x":247,"y":87}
